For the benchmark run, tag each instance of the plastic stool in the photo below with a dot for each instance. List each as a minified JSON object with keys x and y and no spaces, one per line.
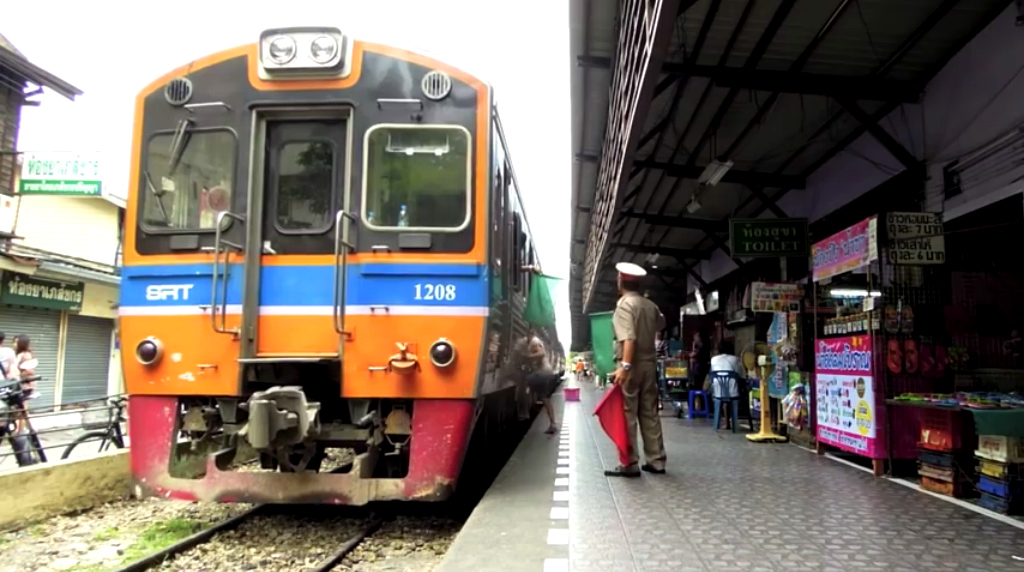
{"x":691,"y":410}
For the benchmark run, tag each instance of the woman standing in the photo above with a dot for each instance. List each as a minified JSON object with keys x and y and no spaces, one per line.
{"x":25,"y":364}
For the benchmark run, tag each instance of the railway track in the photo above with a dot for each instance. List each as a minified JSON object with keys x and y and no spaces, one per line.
{"x":369,"y":525}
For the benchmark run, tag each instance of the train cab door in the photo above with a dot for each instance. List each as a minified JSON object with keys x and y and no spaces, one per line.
{"x":304,"y":183}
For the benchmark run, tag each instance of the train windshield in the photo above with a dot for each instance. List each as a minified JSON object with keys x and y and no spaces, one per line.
{"x":418,"y":177}
{"x":199,"y":187}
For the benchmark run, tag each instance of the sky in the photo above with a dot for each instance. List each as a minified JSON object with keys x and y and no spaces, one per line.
{"x":110,"y":53}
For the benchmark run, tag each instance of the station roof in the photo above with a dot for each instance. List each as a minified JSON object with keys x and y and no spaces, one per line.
{"x":778,"y":87}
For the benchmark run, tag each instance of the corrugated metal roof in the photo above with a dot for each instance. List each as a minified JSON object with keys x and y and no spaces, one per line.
{"x":23,"y":70}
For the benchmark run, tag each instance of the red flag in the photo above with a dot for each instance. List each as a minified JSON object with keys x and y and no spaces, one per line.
{"x":611,"y":413}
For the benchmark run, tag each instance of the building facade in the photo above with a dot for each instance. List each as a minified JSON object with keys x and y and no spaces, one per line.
{"x":60,"y":236}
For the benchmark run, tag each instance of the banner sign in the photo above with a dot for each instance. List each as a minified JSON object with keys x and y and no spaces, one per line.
{"x":846,"y":250}
{"x":57,"y":173}
{"x":768,"y":238}
{"x":775,"y":297}
{"x":846,"y":406}
{"x":777,"y":333}
{"x":21,"y":290}
{"x":915,"y":238}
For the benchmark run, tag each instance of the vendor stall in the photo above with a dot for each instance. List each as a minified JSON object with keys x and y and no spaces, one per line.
{"x":848,"y":393}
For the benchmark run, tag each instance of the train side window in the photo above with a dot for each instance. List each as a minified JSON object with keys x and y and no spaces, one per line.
{"x":517,"y":252}
{"x":200,"y":186}
{"x":305,"y":186}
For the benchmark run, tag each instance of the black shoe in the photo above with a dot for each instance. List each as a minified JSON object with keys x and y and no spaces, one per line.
{"x":621,"y":471}
{"x":650,"y":469}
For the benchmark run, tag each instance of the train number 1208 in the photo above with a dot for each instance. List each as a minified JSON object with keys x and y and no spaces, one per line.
{"x":435,"y":292}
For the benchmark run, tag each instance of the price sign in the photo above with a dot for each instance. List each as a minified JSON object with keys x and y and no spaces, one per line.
{"x":915,"y":238}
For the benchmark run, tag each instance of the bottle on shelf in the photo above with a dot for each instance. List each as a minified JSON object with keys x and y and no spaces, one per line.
{"x":403,"y":216}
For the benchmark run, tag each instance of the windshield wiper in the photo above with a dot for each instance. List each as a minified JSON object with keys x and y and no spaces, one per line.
{"x":182,"y":136}
{"x":158,"y":194}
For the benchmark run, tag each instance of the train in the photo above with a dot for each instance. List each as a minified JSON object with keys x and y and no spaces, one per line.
{"x":326,"y":257}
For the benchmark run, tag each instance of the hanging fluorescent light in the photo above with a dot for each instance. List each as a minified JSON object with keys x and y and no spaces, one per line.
{"x":693,"y":206}
{"x":714,"y":172}
{"x":852,"y":293}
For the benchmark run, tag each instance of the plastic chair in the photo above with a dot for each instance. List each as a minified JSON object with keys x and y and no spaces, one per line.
{"x":725,"y":388}
{"x":692,"y":411}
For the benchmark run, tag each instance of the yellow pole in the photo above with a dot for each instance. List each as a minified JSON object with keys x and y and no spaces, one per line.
{"x":765,"y":435}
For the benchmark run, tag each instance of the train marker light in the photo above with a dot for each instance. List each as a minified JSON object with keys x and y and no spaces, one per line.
{"x":149,"y":351}
{"x":442,"y":353}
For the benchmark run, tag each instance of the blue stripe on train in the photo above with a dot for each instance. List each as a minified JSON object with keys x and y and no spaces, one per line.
{"x":367,"y":284}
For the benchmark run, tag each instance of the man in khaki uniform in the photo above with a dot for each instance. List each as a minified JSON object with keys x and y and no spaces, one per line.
{"x":636,"y":322}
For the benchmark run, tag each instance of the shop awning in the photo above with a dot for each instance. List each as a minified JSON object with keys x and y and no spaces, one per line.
{"x":15,"y":68}
{"x":58,"y":271}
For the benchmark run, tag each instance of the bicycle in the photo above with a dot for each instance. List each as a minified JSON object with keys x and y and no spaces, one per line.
{"x":14,"y":422}
{"x":108,"y":433}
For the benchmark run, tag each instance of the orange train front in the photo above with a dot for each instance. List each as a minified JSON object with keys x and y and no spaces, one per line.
{"x":326,"y":258}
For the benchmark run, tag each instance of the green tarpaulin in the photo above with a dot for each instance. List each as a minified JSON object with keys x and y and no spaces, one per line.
{"x":603,"y":338}
{"x":540,"y":305}
{"x":1008,"y":422}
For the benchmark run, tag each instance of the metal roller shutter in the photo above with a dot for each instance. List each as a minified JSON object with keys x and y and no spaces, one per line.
{"x":43,"y":329}
{"x":86,"y":358}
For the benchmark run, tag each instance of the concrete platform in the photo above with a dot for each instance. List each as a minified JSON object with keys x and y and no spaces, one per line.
{"x":725,"y":504}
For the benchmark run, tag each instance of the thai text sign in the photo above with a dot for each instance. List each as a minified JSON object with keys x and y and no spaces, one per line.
{"x":846,"y":407}
{"x":763,"y":238}
{"x":22,"y":290}
{"x":775,"y":297}
{"x":846,"y":250}
{"x":61,"y":174}
{"x":915,"y":238}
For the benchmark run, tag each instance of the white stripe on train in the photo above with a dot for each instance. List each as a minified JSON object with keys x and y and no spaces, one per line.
{"x":376,"y":310}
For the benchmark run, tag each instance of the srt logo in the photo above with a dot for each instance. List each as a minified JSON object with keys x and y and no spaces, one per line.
{"x":162,"y":292}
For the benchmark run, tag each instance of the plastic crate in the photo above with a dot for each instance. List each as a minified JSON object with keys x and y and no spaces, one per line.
{"x":945,"y":474}
{"x":1001,"y":505}
{"x":940,"y":430}
{"x":1000,"y":448}
{"x":572,"y":394}
{"x":938,"y":459}
{"x":998,"y":470}
{"x":998,"y":488}
{"x":958,"y":488}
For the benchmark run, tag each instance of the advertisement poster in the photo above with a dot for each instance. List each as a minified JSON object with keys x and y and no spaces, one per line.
{"x":844,"y":251}
{"x":777,"y":333}
{"x":775,"y":297}
{"x":846,"y":415}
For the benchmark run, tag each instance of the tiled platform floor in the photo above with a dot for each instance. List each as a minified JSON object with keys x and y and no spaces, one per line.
{"x":728,"y":504}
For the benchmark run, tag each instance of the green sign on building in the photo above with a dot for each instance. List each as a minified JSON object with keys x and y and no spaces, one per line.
{"x":21,"y":290}
{"x":61,"y":174}
{"x":768,"y":238}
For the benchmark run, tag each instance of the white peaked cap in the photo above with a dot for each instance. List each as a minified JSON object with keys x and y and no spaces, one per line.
{"x":630,"y":269}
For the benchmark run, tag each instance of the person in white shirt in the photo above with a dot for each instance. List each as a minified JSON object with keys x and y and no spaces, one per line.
{"x":726,"y":360}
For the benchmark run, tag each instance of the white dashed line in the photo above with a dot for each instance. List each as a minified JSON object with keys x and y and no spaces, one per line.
{"x":563,"y":454}
{"x":560,"y":496}
{"x":562,"y":482}
{"x":558,"y":536}
{"x":556,"y":565}
{"x":559,"y":513}
{"x":561,"y":470}
{"x":563,"y":462}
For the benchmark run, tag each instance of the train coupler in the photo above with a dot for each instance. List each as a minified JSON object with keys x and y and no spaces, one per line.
{"x":280,"y":417}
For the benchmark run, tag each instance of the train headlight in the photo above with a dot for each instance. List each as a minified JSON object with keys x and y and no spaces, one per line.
{"x":442,"y":353}
{"x":149,"y":351}
{"x":304,"y":52}
{"x":323,"y":49}
{"x":281,"y":50}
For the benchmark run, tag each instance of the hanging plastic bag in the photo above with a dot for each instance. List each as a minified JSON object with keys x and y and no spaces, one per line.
{"x":794,"y":407}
